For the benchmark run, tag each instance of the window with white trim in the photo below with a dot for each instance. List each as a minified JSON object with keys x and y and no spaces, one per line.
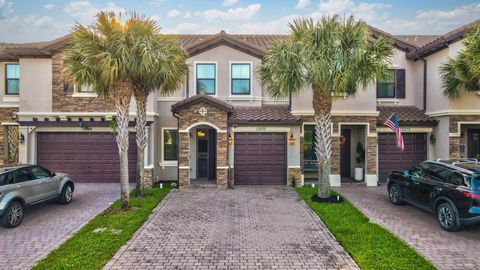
{"x":206,"y":78}
{"x":240,"y":79}
{"x":170,"y":144}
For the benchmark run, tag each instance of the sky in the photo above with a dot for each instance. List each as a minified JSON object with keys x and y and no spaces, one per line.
{"x":42,"y":20}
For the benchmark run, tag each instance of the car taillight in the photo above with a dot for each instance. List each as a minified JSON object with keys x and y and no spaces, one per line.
{"x":471,"y":195}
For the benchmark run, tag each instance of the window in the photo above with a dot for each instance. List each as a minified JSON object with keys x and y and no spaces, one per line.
{"x":12,"y":79}
{"x":438,"y":173}
{"x":240,"y":79}
{"x":3,"y":179}
{"x":40,"y":173}
{"x":392,"y":85}
{"x":206,"y":78}
{"x":83,"y":88}
{"x":170,"y":145}
{"x":22,"y":175}
{"x":309,"y":157}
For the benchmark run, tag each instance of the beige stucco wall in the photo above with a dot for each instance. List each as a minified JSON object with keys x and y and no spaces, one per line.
{"x":36,"y":85}
{"x":436,"y":101}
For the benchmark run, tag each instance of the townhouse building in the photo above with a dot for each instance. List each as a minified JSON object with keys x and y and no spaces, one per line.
{"x":222,"y":128}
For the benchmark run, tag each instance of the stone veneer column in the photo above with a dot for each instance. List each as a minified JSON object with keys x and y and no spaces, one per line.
{"x":222,"y":160}
{"x":454,"y":148}
{"x":372,"y":175}
{"x":297,"y":173}
{"x":335,"y":162}
{"x":148,"y":176}
{"x":183,"y":160}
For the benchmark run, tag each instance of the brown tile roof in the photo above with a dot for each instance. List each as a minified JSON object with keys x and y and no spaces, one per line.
{"x":202,"y":97}
{"x":442,"y":41}
{"x":417,"y":40}
{"x":406,"y":115}
{"x":266,"y":114}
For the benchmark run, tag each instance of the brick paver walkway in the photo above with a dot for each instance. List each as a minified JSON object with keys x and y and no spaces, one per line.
{"x":458,"y":250}
{"x":45,"y":227}
{"x":243,"y":228}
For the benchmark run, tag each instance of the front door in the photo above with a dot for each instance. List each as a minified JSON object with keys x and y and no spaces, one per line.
{"x":206,"y":154}
{"x":473,"y":142}
{"x":345,"y":154}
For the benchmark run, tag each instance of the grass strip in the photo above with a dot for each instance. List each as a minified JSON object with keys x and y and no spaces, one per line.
{"x":369,"y":244}
{"x":87,"y":249}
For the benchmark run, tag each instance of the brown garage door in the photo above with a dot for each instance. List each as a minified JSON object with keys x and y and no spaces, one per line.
{"x":260,"y":158}
{"x":390,"y":158}
{"x":85,"y":156}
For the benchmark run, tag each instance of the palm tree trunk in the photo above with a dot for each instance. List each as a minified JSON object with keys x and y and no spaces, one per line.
{"x":141,"y":100}
{"x":322,"y":106}
{"x":122,"y":94}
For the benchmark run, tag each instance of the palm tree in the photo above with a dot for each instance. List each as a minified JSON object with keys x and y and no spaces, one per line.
{"x":100,"y":56}
{"x":158,"y":63}
{"x":463,"y":73}
{"x":332,"y":57}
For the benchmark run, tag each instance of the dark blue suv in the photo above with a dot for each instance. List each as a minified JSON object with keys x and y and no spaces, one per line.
{"x":448,"y":188}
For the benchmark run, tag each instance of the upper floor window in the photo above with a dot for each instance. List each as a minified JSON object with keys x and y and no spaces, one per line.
{"x":12,"y":79}
{"x":392,"y":85}
{"x":206,"y":76}
{"x":241,"y":79}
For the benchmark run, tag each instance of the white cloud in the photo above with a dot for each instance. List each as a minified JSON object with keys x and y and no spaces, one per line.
{"x":233,"y":14}
{"x":173,"y":13}
{"x":334,"y":6}
{"x":302,"y":4}
{"x":278,"y":26}
{"x":184,"y":28}
{"x":48,"y":6}
{"x":5,"y":9}
{"x":229,"y":3}
{"x":187,"y":15}
{"x":85,"y":12}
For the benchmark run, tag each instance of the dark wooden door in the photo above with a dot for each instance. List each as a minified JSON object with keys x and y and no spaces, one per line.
{"x":260,"y":159}
{"x":85,"y":156}
{"x":345,"y":153}
{"x":473,"y":143}
{"x":202,"y":154}
{"x":390,"y":158}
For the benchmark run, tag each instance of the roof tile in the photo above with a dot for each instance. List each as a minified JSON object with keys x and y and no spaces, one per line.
{"x":268,"y":114}
{"x":407,"y":115}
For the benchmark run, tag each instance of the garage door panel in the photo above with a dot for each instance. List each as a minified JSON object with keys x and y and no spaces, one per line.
{"x":85,"y":156}
{"x":390,"y":158}
{"x":260,"y":158}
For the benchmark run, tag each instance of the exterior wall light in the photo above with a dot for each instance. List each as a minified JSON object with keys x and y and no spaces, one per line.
{"x":433,"y":139}
{"x":230,"y":138}
{"x":291,"y":140}
{"x":21,"y":138}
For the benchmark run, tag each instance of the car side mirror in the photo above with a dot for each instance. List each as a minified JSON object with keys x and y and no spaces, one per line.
{"x":405,"y":173}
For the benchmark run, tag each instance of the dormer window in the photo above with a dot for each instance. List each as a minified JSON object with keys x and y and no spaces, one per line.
{"x":12,"y":79}
{"x":206,"y":78}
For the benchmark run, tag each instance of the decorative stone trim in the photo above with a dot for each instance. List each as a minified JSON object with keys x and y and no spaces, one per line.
{"x":294,"y":172}
{"x":148,"y":177}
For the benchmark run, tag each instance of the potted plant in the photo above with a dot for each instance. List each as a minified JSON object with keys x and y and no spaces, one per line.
{"x":360,"y":160}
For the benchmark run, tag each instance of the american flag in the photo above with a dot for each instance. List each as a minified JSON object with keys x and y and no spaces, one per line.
{"x":392,"y":123}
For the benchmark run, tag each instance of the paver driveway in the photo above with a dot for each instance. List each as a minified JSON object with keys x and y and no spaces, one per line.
{"x":458,"y":250}
{"x":244,"y":228}
{"x":45,"y":227}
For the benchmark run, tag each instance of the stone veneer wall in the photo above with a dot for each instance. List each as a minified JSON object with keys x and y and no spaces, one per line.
{"x":454,"y":142}
{"x":371,"y":147}
{"x":63,"y":101}
{"x":215,"y":116}
{"x":148,"y":177}
{"x":5,"y":116}
{"x":297,"y":173}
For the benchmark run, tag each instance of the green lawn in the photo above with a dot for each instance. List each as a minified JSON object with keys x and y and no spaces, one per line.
{"x":89,"y":250}
{"x":370,"y":245}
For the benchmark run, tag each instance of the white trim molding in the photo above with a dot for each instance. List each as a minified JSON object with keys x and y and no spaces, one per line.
{"x":367,"y":124}
{"x":187,"y":130}
{"x":335,"y":180}
{"x":406,"y":129}
{"x":184,"y":167}
{"x":340,"y":113}
{"x":371,"y":180}
{"x":170,"y":98}
{"x":453,"y":112}
{"x":294,"y":167}
{"x":78,"y":114}
{"x":85,"y":94}
{"x":260,"y":129}
{"x":223,"y":167}
{"x":388,"y":100}
{"x":10,"y":124}
{"x":11,"y":98}
{"x":459,"y":127}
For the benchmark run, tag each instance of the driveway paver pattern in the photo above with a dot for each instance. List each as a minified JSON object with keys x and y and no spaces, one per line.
{"x":249,"y":227}
{"x":45,"y":227}
{"x":458,"y":250}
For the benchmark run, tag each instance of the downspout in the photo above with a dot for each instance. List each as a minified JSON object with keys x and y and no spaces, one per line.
{"x":187,"y":88}
{"x":178,"y":147}
{"x":424,"y":83}
{"x":290,"y":101}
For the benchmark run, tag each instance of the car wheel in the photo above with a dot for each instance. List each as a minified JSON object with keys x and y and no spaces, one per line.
{"x":13,"y":215}
{"x":67,"y":194}
{"x":395,"y":194}
{"x":447,"y":217}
